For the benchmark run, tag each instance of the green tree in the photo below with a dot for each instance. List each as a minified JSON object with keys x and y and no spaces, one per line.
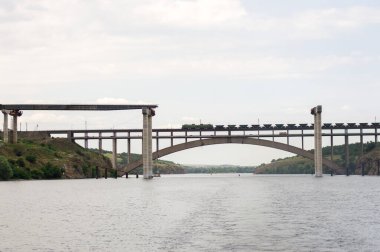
{"x":5,"y":169}
{"x":51,"y":172}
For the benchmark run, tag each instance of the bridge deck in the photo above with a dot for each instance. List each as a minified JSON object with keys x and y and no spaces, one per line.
{"x":82,"y":107}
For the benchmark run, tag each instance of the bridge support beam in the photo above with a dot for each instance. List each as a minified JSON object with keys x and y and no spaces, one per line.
{"x":5,"y":127}
{"x":114,"y":151}
{"x":14,"y":130}
{"x":317,"y":112}
{"x":147,"y":143}
{"x":100,"y":143}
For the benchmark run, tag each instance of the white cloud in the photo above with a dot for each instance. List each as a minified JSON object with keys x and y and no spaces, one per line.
{"x":111,"y":100}
{"x":189,"y":119}
{"x":191,"y":13}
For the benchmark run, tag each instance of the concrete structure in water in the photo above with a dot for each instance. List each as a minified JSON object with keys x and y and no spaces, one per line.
{"x":147,"y":143}
{"x":317,"y":112}
{"x":15,"y":110}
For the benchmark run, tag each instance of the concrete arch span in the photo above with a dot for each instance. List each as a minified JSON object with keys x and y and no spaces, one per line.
{"x":233,"y":140}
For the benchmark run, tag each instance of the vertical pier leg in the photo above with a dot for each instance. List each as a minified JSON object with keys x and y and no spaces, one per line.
{"x":114,"y":152}
{"x":317,"y":112}
{"x":14,"y":128}
{"x":361,"y":143}
{"x":147,"y":143}
{"x":347,"y":154}
{"x":129,"y":151}
{"x":378,"y":167}
{"x":150,"y":145}
{"x":86,"y":140}
{"x":70,"y":136}
{"x":97,"y":172}
{"x":5,"y":127}
{"x":157,"y":142}
{"x":303,"y":143}
{"x":126,"y":175}
{"x":100,"y":143}
{"x":106,"y":173}
{"x":332,"y":146}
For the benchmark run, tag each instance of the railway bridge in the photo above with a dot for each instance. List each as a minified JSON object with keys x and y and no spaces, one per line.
{"x":193,"y":136}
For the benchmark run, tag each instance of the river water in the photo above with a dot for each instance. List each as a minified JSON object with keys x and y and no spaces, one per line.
{"x":192,"y":213}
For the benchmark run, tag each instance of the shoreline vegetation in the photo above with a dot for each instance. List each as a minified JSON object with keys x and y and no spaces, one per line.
{"x":58,"y":158}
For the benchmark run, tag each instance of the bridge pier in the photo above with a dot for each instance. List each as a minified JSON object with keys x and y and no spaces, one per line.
{"x":100,"y":143}
{"x":14,"y":129}
{"x":86,"y":140}
{"x":114,"y":151}
{"x":147,"y":143}
{"x":5,"y":127}
{"x":129,"y":148}
{"x":317,"y":112}
{"x":347,"y":154}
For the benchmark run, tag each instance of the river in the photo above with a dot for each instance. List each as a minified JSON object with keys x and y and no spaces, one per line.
{"x":223,"y":212}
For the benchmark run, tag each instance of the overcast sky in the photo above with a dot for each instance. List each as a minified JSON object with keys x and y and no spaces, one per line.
{"x":215,"y":61}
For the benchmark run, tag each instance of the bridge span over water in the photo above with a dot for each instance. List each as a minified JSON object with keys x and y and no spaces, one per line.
{"x":192,"y":136}
{"x":267,"y":135}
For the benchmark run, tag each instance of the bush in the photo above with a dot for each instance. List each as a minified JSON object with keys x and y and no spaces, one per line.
{"x":51,"y":172}
{"x":36,"y":174}
{"x":18,"y":152}
{"x":5,"y":169}
{"x":20,"y":173}
{"x":20,"y":162}
{"x":31,"y":159}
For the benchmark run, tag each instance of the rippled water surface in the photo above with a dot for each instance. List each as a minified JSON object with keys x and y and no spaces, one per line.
{"x":192,"y":213}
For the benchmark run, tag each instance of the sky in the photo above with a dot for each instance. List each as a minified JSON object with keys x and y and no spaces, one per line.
{"x":209,"y":61}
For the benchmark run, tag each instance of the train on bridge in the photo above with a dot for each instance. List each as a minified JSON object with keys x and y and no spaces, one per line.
{"x":276,"y":126}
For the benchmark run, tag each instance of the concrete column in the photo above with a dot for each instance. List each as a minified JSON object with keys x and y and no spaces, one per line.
{"x":150,"y":144}
{"x":129,"y":148}
{"x":375,"y":136}
{"x":171,"y":138}
{"x":287,"y":136}
{"x":14,"y":128}
{"x":86,"y":140}
{"x":317,"y":112}
{"x":70,"y":136}
{"x":361,"y":143}
{"x":303,"y":143}
{"x":347,"y":154}
{"x":147,"y":143}
{"x":332,"y":145}
{"x":5,"y":128}
{"x":100,"y":143}
{"x":157,"y":142}
{"x":114,"y":151}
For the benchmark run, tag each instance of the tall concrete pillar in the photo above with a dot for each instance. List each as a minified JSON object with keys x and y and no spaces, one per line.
{"x":14,"y":130}
{"x":147,"y":143}
{"x":361,"y":143}
{"x":70,"y":136}
{"x":86,"y":140}
{"x":317,"y":112}
{"x":114,"y":151}
{"x":100,"y":143}
{"x":5,"y":127}
{"x":129,"y":148}
{"x":150,"y":142}
{"x":347,"y":154}
{"x":332,"y":146}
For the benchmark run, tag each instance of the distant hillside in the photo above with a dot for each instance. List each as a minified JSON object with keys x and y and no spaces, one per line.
{"x":301,"y":165}
{"x":49,"y":158}
{"x":218,"y":169}
{"x":159,"y":166}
